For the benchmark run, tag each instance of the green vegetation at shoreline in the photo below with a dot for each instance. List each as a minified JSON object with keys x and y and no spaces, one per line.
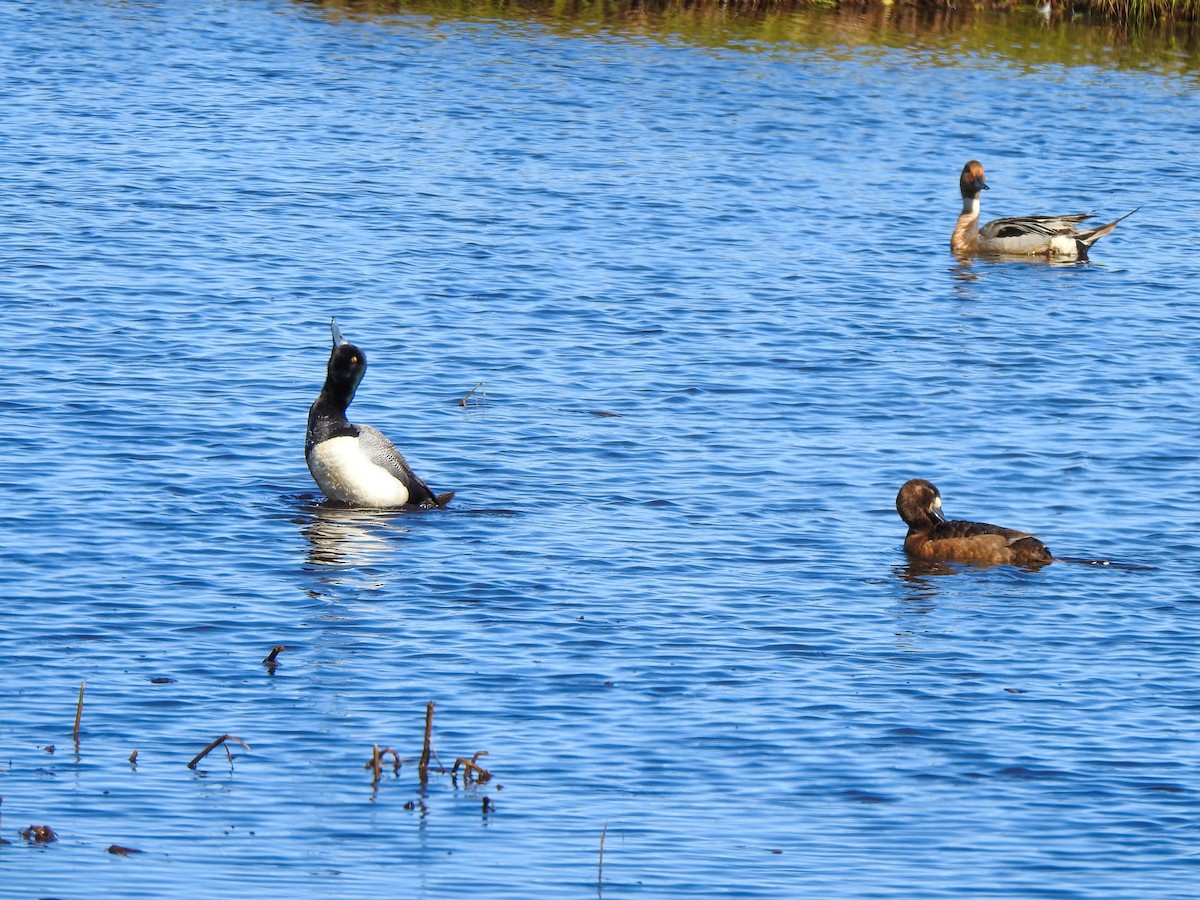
{"x":1123,"y":11}
{"x":938,"y":35}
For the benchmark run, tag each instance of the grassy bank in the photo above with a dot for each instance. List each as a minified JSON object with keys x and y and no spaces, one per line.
{"x":1123,"y":11}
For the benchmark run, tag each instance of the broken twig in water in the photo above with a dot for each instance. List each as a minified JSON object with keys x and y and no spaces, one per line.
{"x":471,"y":766}
{"x":270,"y":662}
{"x":376,"y":762}
{"x":79,"y":711}
{"x":427,"y":748}
{"x":600,"y":864}
{"x":219,"y":741}
{"x":463,"y":401}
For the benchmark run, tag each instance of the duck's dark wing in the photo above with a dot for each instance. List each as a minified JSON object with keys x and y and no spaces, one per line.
{"x":1032,"y":226}
{"x":960,"y":530}
{"x":384,"y":454}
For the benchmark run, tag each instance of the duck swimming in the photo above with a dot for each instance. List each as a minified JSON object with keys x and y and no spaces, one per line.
{"x":355,"y":464}
{"x":930,"y":536}
{"x":1049,"y":236}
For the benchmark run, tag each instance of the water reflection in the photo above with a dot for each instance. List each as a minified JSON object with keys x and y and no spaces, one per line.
{"x":1031,"y":37}
{"x":920,"y":575}
{"x":916,"y":572}
{"x":342,"y":537}
{"x":964,"y":267}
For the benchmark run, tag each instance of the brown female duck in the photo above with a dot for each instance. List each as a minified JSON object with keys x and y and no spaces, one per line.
{"x":930,"y":536}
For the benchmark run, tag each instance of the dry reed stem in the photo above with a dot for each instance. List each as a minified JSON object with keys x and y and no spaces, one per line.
{"x":395,"y":759}
{"x":427,"y":748}
{"x":463,"y":401}
{"x":373,"y":764}
{"x":470,"y":765}
{"x":600,"y":864}
{"x":221,"y":740}
{"x":376,"y":762}
{"x":79,"y":711}
{"x":133,"y":759}
{"x":275,"y":651}
{"x":270,"y":661}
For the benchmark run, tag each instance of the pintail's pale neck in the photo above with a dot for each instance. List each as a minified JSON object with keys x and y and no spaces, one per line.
{"x":966,"y":229}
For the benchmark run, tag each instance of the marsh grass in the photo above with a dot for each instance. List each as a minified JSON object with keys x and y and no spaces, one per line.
{"x":1123,"y":11}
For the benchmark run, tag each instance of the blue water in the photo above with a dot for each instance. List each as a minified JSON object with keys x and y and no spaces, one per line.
{"x":707,"y":291}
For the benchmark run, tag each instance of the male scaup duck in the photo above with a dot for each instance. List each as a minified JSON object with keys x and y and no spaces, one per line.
{"x":355,"y":464}
{"x":930,"y":536}
{"x":1049,"y":236}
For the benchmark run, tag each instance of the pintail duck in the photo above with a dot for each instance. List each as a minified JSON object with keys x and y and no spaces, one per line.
{"x":930,"y":536}
{"x":1049,"y":236}
{"x":355,"y":464}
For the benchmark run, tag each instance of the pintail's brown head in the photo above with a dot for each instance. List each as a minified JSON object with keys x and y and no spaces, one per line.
{"x":972,"y":181}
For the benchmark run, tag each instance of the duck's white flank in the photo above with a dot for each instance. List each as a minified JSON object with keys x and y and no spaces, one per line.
{"x":344,"y":473}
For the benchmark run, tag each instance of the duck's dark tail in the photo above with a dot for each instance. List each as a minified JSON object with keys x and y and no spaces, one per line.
{"x":1085,"y":239}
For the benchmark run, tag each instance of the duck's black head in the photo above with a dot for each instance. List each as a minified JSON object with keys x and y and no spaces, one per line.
{"x":347,"y":365}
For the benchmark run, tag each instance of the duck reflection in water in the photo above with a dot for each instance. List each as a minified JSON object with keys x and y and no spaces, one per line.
{"x":933,"y":539}
{"x":341,"y":537}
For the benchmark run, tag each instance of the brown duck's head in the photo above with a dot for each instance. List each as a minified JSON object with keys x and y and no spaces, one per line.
{"x":919,"y":504}
{"x":972,"y":181}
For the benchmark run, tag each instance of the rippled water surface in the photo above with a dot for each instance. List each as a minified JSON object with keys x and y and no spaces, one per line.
{"x":696,"y":292}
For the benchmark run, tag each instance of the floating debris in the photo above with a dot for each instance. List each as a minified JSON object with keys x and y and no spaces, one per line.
{"x":39,"y":834}
{"x":270,"y":662}
{"x":118,"y":850}
{"x":78,"y":711}
{"x":472,"y":771}
{"x":482,"y":395}
{"x":376,"y":763}
{"x":218,"y":742}
{"x":133,"y":759}
{"x":600,"y":863}
{"x":427,"y":747}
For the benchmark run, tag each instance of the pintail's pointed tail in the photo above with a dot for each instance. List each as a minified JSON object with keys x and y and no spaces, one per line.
{"x":1089,"y":237}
